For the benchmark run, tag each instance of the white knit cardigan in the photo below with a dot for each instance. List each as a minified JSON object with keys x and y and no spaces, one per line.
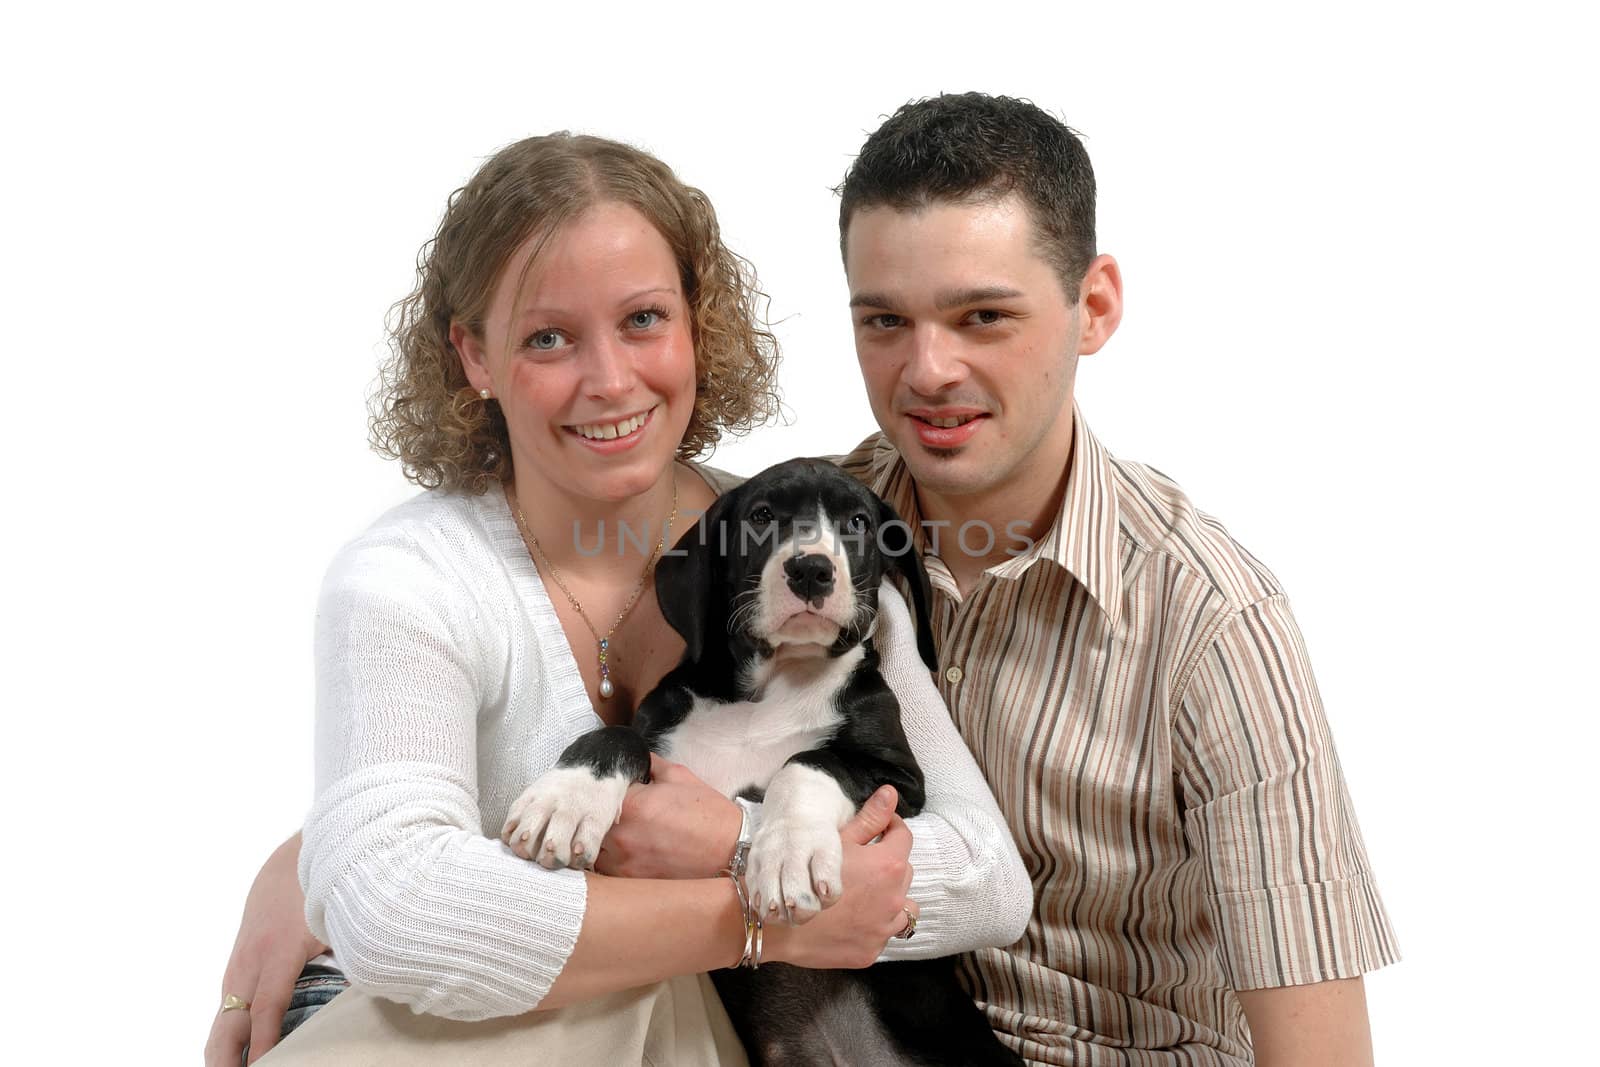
{"x":445,"y":684}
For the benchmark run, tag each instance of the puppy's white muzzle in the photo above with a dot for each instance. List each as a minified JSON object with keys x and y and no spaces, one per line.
{"x":806,"y":595}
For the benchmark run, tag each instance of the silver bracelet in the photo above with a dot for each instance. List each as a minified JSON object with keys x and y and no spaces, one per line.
{"x":741,"y":848}
{"x":752,"y":944}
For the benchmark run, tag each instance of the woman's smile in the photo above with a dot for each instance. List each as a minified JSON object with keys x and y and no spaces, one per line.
{"x":609,"y":436}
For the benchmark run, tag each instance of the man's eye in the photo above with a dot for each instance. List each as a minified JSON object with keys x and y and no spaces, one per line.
{"x":884,"y":322}
{"x":986,"y":316}
{"x":544,"y":340}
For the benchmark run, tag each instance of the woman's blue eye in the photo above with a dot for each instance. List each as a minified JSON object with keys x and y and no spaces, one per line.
{"x":643,"y":320}
{"x":545,"y":339}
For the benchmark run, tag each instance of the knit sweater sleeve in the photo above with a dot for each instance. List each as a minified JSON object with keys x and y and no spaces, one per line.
{"x":968,"y":877}
{"x":417,"y":903}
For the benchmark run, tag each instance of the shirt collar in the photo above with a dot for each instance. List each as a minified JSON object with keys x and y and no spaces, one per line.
{"x":1081,"y":541}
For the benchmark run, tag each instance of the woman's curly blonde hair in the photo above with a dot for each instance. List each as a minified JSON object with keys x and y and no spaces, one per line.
{"x":426,"y":415}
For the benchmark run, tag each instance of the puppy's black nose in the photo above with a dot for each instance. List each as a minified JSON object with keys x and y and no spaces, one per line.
{"x":810,"y":576}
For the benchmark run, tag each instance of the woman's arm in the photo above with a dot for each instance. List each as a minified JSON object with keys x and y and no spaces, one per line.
{"x":970,"y":880}
{"x":634,"y":932}
{"x":639,"y":931}
{"x":419,"y":906}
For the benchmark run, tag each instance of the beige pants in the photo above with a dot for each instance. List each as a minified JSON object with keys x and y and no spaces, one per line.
{"x":678,"y":1023}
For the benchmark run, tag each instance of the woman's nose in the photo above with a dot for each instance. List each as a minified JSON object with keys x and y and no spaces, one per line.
{"x":608,"y":369}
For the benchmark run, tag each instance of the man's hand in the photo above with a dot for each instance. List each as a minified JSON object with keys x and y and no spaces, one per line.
{"x":1319,"y":1025}
{"x":272,"y":947}
{"x":675,"y":827}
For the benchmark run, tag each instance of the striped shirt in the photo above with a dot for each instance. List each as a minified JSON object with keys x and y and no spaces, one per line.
{"x":1138,"y":696}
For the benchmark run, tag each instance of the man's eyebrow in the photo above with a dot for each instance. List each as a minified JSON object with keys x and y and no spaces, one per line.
{"x":983,"y":294}
{"x":952,"y":298}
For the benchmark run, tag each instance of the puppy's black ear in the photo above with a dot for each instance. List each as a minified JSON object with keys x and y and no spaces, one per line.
{"x":691,"y":583}
{"x":900,"y":553}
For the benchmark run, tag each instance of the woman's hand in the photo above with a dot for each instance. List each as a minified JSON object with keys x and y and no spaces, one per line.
{"x":272,"y":947}
{"x":679,"y":827}
{"x":675,"y":827}
{"x":873,"y":907}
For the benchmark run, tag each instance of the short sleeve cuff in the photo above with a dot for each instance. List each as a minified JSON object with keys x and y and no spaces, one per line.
{"x":1300,"y":934}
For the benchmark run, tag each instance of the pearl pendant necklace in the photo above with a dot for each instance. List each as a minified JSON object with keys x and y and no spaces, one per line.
{"x":606,"y":688}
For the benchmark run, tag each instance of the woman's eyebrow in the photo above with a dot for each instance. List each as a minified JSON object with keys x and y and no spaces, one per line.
{"x":543,"y":310}
{"x":631,"y":297}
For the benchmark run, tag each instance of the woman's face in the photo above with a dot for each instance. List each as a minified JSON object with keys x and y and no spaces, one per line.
{"x":591,"y":358}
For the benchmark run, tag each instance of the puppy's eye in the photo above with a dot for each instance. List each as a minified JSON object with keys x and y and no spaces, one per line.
{"x":858,"y":523}
{"x":761,"y":516}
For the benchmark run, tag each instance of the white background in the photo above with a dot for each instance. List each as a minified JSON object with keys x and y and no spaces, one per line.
{"x":1359,"y":248}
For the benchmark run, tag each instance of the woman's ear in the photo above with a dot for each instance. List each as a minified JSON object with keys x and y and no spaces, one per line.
{"x":474,"y":360}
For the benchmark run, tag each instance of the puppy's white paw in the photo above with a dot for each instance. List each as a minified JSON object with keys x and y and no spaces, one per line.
{"x":560,"y":820}
{"x":794,"y":868}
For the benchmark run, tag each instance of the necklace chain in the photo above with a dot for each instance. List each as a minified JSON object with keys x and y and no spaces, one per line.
{"x":606,"y":688}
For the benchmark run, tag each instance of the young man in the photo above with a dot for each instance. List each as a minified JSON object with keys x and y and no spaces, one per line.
{"x":1130,"y":679}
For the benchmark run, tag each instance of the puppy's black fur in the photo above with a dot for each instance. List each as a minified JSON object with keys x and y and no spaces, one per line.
{"x":710,"y":589}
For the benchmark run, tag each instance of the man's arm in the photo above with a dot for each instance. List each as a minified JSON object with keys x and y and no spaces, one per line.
{"x":274,"y":943}
{"x":1318,"y":1025}
{"x":1292,"y":894}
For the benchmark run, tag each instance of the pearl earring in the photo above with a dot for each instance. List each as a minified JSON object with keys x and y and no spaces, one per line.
{"x":484,"y":393}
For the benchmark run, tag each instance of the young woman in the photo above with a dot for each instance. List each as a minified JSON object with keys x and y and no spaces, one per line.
{"x":578,"y":334}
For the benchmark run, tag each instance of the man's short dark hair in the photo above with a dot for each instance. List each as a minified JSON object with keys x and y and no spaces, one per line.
{"x":973,"y":147}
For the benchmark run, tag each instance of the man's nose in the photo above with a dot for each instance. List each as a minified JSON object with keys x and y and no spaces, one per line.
{"x":810,"y":577}
{"x":934,"y":362}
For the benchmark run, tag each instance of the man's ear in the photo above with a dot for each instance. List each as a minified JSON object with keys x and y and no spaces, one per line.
{"x":894,"y":541}
{"x":691,"y":585}
{"x":473,"y":357}
{"x":1099,"y":304}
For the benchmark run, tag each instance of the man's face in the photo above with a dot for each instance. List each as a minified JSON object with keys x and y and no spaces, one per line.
{"x":967,"y":345}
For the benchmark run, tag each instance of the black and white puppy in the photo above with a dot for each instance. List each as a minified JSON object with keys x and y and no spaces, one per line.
{"x":778,"y":698}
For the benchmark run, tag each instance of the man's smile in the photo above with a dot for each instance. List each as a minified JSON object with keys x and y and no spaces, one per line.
{"x":947,"y":427}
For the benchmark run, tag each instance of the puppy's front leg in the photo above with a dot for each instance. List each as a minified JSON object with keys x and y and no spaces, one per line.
{"x":796,"y":859}
{"x":560,"y":820}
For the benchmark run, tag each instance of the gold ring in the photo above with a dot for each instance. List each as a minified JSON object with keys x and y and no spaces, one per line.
{"x":911,"y":925}
{"x":234,"y":1003}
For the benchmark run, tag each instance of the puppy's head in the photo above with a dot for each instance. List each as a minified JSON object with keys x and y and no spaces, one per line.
{"x":789,"y":561}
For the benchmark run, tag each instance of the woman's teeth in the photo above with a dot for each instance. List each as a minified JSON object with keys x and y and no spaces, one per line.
{"x":605,"y":431}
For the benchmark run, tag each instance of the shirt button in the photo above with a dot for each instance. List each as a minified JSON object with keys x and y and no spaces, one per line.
{"x":953,"y":675}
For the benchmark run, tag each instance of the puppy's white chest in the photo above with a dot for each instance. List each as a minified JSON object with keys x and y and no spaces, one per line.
{"x":732,"y":747}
